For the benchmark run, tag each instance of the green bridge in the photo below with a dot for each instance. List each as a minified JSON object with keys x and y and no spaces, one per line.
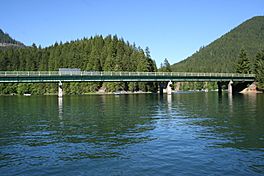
{"x":93,"y":76}
{"x":56,"y":76}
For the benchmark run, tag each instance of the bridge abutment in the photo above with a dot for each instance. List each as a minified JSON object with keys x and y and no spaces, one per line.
{"x":244,"y":87}
{"x":60,"y":92}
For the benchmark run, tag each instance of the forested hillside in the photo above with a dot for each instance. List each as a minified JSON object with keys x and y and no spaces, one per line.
{"x":94,"y":54}
{"x":222,"y":55}
{"x":6,"y":40}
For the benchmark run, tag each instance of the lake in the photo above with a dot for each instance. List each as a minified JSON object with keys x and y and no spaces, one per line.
{"x":147,"y":134}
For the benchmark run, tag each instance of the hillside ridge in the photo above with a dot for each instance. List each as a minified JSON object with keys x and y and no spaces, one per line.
{"x":222,"y":54}
{"x":7,"y":41}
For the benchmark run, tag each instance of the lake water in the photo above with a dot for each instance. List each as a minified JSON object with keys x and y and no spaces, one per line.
{"x":182,"y":134}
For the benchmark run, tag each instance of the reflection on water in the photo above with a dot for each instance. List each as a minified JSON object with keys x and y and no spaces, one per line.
{"x":230,"y":100}
{"x":132,"y":134}
{"x":169,"y":99}
{"x":109,"y":121}
{"x":236,"y":123}
{"x":60,"y":107}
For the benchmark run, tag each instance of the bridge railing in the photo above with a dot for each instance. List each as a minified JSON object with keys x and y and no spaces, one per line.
{"x":109,"y":73}
{"x":27,"y":73}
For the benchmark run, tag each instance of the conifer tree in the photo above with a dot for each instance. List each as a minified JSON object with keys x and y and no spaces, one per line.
{"x":165,"y":66}
{"x":243,"y":65}
{"x":259,"y":68}
{"x":93,"y":54}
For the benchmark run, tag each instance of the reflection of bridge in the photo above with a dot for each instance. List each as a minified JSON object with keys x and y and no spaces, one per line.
{"x":84,"y":76}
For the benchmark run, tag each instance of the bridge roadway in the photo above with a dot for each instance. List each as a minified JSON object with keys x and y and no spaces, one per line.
{"x":87,"y":76}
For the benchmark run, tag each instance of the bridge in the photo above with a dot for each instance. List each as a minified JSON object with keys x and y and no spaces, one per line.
{"x":94,"y":76}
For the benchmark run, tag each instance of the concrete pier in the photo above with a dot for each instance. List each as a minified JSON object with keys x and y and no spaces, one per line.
{"x":230,"y":89}
{"x":219,"y":85}
{"x":206,"y":87}
{"x":60,"y":93}
{"x":168,"y":89}
{"x":161,"y":85}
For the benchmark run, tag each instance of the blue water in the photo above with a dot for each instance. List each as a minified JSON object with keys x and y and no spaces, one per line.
{"x":182,"y":134}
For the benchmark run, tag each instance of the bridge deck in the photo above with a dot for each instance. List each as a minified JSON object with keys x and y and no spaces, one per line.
{"x":86,"y":76}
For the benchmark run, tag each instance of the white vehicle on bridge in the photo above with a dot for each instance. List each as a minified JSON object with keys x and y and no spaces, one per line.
{"x":69,"y":71}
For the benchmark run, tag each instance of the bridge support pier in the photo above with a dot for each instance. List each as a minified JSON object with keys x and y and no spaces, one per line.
{"x":230,"y":88}
{"x":219,"y":85}
{"x":161,"y":85}
{"x":168,"y":89}
{"x":206,"y":87}
{"x":60,"y":93}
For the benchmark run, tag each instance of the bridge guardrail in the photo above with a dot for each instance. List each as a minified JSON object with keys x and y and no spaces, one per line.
{"x":108,"y":73}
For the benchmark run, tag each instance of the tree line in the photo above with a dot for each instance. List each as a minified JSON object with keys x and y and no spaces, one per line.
{"x":244,"y":65}
{"x":256,"y":66}
{"x":96,"y":53}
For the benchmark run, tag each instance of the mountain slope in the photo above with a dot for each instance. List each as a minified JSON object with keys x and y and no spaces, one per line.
{"x":222,"y":54}
{"x":6,"y":40}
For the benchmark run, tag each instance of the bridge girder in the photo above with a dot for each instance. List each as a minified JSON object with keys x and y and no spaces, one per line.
{"x":49,"y":77}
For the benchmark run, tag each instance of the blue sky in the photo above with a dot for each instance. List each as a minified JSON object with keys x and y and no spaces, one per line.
{"x":172,"y":29}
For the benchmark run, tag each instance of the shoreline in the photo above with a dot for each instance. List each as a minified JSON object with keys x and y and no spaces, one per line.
{"x":130,"y":93}
{"x":90,"y":93}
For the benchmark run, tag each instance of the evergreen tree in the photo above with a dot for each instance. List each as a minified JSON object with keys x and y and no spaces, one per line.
{"x":243,"y":65}
{"x":259,"y":68}
{"x":221,"y":54}
{"x":165,"y":66}
{"x":93,"y":54}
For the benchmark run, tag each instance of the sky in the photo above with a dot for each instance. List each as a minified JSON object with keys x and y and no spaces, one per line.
{"x":172,"y":29}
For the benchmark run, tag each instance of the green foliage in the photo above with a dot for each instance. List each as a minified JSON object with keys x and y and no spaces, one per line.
{"x":8,"y":89}
{"x":233,"y":52}
{"x":5,"y":38}
{"x":243,"y":65}
{"x":259,"y":68}
{"x":7,"y":41}
{"x":94,"y":54}
{"x":222,"y":54}
{"x":198,"y":86}
{"x":23,"y":88}
{"x":165,"y":66}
